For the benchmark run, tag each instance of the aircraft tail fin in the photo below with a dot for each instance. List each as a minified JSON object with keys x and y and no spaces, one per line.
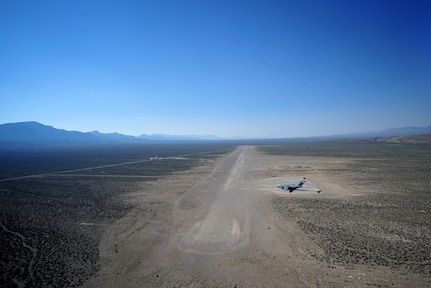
{"x":301,"y":182}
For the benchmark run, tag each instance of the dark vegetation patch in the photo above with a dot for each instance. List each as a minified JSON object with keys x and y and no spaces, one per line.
{"x":21,"y":162}
{"x":51,"y":225}
{"x":347,"y":149}
{"x":390,"y":227}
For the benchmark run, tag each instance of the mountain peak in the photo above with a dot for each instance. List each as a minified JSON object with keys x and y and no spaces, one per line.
{"x":32,"y":132}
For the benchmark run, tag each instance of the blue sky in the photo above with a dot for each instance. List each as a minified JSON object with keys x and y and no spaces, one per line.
{"x":229,"y":68}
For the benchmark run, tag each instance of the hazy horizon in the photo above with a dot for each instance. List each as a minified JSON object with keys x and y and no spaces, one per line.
{"x":411,"y":130}
{"x":262,"y":69}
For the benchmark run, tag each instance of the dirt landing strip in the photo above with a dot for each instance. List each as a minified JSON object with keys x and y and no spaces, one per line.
{"x":215,"y":226}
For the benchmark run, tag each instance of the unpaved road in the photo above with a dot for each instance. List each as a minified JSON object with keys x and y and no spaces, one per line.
{"x":218,"y":222}
{"x":215,"y":227}
{"x":64,"y":172}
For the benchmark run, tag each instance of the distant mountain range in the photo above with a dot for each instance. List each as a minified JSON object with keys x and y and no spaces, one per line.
{"x":34,"y":133}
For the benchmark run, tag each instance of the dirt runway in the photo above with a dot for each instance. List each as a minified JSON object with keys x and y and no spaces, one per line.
{"x":218,"y":222}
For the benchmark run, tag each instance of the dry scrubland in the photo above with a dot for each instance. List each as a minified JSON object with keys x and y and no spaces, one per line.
{"x":370,"y":226}
{"x":385,"y":220}
{"x":52,"y":222}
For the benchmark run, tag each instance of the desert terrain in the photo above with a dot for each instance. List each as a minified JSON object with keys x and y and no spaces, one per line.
{"x":217,"y":219}
{"x":227,"y":225}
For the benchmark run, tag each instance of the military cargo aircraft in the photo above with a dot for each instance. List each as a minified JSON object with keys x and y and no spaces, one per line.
{"x":291,"y":187}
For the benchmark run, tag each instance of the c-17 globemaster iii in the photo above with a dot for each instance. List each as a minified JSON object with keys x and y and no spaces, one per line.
{"x":291,"y":187}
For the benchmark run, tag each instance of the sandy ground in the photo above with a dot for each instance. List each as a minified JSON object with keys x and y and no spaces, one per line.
{"x":214,"y":226}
